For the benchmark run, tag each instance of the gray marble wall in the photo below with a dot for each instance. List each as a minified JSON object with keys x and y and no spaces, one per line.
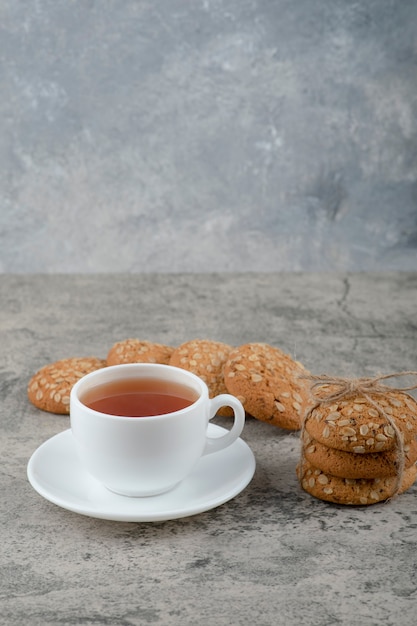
{"x":206,"y":135}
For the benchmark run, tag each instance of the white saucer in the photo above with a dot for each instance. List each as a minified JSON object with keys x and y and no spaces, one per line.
{"x":55,"y":472}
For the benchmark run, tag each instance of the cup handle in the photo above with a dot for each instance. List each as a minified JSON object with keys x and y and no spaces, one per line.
{"x":214,"y":444}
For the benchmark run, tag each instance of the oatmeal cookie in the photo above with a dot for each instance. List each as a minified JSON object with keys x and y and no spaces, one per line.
{"x":351,"y":465}
{"x":352,"y":491}
{"x":206,"y":359}
{"x":138,"y":351}
{"x":267,"y":382}
{"x":49,"y":389}
{"x":354,"y":425}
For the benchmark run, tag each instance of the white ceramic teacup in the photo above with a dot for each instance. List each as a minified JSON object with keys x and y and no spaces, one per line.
{"x":145,"y":456}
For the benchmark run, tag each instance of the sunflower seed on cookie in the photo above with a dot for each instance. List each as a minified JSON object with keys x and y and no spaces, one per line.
{"x":49,"y":389}
{"x":267,"y":382}
{"x":139,"y":351}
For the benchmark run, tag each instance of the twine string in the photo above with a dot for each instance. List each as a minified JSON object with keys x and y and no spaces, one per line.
{"x":365,"y":386}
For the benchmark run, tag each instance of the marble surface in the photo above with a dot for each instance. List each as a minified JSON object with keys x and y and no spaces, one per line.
{"x":228,"y":135}
{"x":273,"y":555}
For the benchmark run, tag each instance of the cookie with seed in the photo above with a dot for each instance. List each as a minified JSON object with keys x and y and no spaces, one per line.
{"x":351,"y":465}
{"x":267,"y":382}
{"x":353,"y":424}
{"x":49,"y":389}
{"x":206,"y":359}
{"x":139,"y":351}
{"x":360,"y":491}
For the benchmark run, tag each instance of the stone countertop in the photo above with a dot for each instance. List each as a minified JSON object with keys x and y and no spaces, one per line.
{"x":273,"y":555}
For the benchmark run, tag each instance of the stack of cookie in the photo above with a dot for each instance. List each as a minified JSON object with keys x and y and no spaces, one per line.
{"x":350,"y":452}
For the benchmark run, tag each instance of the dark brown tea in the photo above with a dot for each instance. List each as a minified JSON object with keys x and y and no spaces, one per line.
{"x":139,"y":397}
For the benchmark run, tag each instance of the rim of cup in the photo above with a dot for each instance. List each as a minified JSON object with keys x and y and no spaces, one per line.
{"x":77,"y":389}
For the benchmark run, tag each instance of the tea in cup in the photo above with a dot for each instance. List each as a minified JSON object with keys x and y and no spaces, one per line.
{"x":140,"y":428}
